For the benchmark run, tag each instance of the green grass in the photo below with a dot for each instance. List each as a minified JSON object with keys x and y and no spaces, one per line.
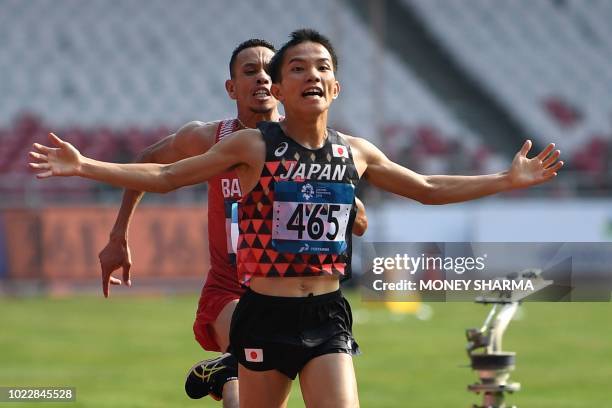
{"x":134,"y":351}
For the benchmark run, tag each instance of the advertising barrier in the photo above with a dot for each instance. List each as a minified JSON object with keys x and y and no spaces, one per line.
{"x":64,"y":242}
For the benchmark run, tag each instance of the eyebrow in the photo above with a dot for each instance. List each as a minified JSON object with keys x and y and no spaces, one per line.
{"x":299,"y":59}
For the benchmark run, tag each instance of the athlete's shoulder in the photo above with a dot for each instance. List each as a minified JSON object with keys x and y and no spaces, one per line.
{"x":196,"y":137}
{"x":355,"y":142}
{"x":363,"y":150}
{"x":198,"y":129}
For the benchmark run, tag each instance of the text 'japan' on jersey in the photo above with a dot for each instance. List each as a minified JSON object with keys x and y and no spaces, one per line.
{"x":296,"y":220}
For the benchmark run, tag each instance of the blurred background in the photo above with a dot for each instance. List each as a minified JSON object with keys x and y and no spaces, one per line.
{"x":441,"y":86}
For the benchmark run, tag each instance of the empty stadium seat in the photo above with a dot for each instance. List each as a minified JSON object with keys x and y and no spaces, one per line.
{"x":547,"y":62}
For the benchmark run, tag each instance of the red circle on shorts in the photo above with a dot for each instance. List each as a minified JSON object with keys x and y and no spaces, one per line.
{"x":253,"y":355}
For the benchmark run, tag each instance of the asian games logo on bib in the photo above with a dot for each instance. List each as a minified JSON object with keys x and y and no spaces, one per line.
{"x":281,"y":149}
{"x":307,"y":191}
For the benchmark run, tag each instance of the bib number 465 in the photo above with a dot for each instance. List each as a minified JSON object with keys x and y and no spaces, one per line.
{"x":310,"y":218}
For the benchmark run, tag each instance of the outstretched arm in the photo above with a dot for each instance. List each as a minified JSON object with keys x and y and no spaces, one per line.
{"x":192,"y":139}
{"x":64,"y":160}
{"x":443,"y":189}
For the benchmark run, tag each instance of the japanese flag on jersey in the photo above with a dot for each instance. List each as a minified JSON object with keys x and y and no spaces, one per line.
{"x":253,"y":355}
{"x":339,"y":150}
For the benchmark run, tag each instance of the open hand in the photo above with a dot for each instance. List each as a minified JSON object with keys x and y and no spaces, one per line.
{"x":525,"y":172}
{"x":62,"y":160}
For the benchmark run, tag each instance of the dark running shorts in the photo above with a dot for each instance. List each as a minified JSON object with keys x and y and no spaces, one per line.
{"x":285,"y":333}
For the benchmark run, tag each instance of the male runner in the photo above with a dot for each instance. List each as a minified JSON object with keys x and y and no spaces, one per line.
{"x":249,"y":85}
{"x":297,"y":178}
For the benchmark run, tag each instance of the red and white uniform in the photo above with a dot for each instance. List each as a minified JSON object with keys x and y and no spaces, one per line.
{"x":221,"y":285}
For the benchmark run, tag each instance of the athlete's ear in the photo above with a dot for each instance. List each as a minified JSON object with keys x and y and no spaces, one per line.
{"x":276,"y":92}
{"x":336,"y":90}
{"x":230,"y":88}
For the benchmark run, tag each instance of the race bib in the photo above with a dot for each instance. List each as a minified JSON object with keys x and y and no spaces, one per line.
{"x":311,"y":217}
{"x":231,"y":229}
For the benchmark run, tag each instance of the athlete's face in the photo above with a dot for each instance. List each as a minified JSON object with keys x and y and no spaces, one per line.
{"x":308,"y":82}
{"x":250,"y":86}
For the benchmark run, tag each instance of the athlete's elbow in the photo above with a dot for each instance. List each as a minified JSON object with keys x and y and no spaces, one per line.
{"x":434,"y":194}
{"x":360,"y":225}
{"x":426,"y":192}
{"x":432,"y":197}
{"x":431,"y":201}
{"x":166,"y":182}
{"x":160,"y":188}
{"x":164,"y":189}
{"x":427,"y":197}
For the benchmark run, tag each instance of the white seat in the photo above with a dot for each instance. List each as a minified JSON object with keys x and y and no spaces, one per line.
{"x":549,"y":51}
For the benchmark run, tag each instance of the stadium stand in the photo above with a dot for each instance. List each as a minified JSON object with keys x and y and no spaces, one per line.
{"x":104,"y":76}
{"x":546,"y":61}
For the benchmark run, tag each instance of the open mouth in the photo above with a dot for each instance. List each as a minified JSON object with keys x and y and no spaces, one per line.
{"x":313,"y":93}
{"x":261,"y":93}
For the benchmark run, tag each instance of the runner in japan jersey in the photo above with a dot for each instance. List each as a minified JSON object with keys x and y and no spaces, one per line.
{"x":296,"y":220}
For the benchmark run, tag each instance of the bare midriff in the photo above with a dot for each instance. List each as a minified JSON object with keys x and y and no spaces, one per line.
{"x":295,"y":286}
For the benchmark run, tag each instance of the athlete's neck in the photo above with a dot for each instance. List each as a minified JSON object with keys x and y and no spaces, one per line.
{"x":308,"y":132}
{"x":250,"y":119}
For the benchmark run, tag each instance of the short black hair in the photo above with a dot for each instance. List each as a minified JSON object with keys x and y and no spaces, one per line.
{"x":253,"y":42}
{"x":297,"y":37}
